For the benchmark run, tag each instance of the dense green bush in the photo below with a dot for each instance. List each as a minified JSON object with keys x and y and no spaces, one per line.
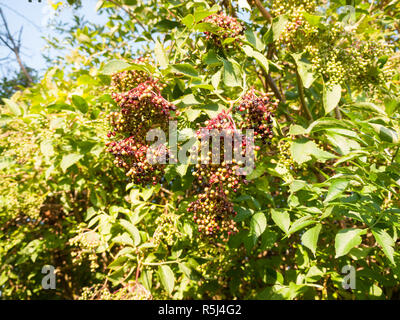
{"x":324,"y":193}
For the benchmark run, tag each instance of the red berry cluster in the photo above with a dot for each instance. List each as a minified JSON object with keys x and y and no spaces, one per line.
{"x":228,"y":27}
{"x":140,"y":162}
{"x":129,"y":79}
{"x":223,"y":175}
{"x":214,"y":213}
{"x":212,"y":210}
{"x":257,"y":110}
{"x":142,"y":108}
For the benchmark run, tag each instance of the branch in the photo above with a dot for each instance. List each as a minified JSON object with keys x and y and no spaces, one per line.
{"x":9,"y":36}
{"x":271,"y":83}
{"x":263,"y":11}
{"x":302,"y":99}
{"x":6,"y":44}
{"x":128,"y":12}
{"x":14,"y":47}
{"x":268,"y":78}
{"x":338,"y":114}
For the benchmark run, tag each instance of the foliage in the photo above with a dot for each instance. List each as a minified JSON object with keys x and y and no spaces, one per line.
{"x":9,"y":85}
{"x":324,"y":193}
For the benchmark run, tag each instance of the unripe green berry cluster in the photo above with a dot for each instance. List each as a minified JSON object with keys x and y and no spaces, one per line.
{"x":167,"y":231}
{"x":280,"y":7}
{"x":129,"y":291}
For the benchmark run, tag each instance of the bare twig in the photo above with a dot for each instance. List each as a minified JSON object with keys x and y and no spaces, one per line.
{"x":128,"y":12}
{"x":9,"y":42}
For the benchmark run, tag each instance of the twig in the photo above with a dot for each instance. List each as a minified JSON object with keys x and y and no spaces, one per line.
{"x":129,"y":13}
{"x":338,"y":114}
{"x":263,"y":11}
{"x":301,"y":95}
{"x":159,"y":263}
{"x":268,"y":78}
{"x":14,"y":47}
{"x":395,"y":154}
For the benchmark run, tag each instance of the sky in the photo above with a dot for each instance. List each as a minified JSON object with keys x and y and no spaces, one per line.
{"x":33,"y":17}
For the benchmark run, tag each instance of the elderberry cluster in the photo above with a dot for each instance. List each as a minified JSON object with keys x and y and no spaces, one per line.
{"x":85,"y":248}
{"x":296,"y":28}
{"x":212,"y":209}
{"x":213,"y":212}
{"x":227,"y":27}
{"x":142,"y":164}
{"x":340,"y":56}
{"x":129,"y":79}
{"x":257,"y":110}
{"x":141,"y":108}
{"x":129,"y":291}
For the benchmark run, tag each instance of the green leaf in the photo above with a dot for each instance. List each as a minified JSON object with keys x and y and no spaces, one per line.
{"x":232,"y":74}
{"x":385,"y":134}
{"x":300,"y":224}
{"x":304,"y":68}
{"x":211,"y":58}
{"x":258,"y":171}
{"x":80,"y":103}
{"x":201,"y":13}
{"x":385,"y":241}
{"x":312,"y":19}
{"x":167,"y":278}
{"x":205,"y":26}
{"x":46,"y":147}
{"x":310,"y":238}
{"x":124,"y":239}
{"x":14,"y":107}
{"x":254,"y":40}
{"x":281,"y":219}
{"x":278,"y":25}
{"x":347,"y":239}
{"x":182,"y":168}
{"x":188,"y":21}
{"x":368,"y":106}
{"x":161,"y":55}
{"x":134,"y":232}
{"x":331,"y":97}
{"x":337,"y":187}
{"x":296,"y":129}
{"x":69,"y":160}
{"x":192,"y":114}
{"x":258,"y":56}
{"x":114,"y":66}
{"x":302,"y":150}
{"x":186,"y":69}
{"x":216,"y":78}
{"x":258,"y":224}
